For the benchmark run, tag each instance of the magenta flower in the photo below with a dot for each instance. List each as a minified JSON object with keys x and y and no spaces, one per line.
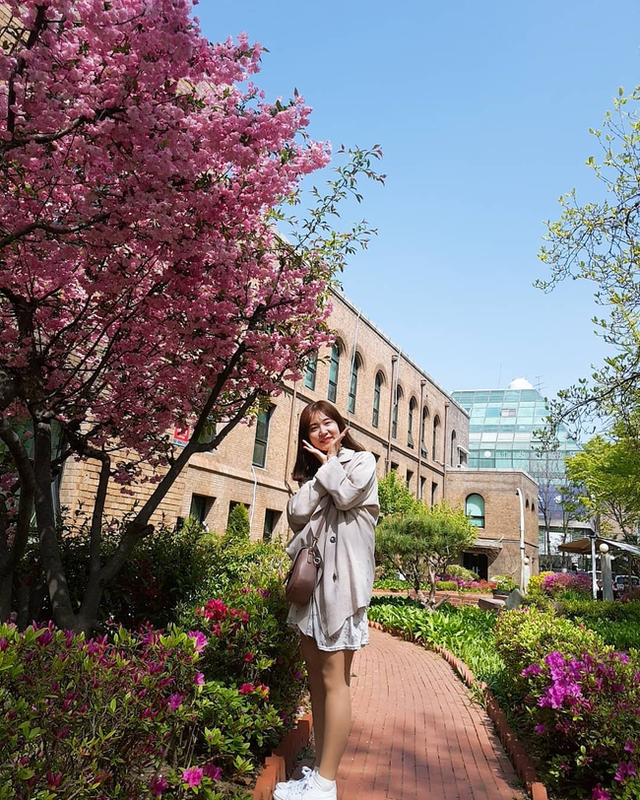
{"x":629,"y":747}
{"x":175,"y":701}
{"x":247,"y":688}
{"x":212,"y":772}
{"x":199,"y":679}
{"x":625,"y":770}
{"x":249,"y":657}
{"x":534,"y":669}
{"x":599,"y":793}
{"x":158,"y":784}
{"x":193,"y":776}
{"x":53,"y":780}
{"x":199,"y":640}
{"x":541,"y":729}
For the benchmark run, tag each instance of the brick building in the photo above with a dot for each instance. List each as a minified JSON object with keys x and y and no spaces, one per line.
{"x":396,"y":410}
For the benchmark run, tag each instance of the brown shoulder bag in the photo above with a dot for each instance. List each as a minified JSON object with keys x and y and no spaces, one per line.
{"x":302,"y":577}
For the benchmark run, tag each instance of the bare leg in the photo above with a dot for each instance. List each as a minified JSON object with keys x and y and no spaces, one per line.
{"x":336,"y":675}
{"x":312,"y":659}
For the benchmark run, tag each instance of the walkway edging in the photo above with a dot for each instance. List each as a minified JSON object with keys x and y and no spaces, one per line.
{"x":519,"y":759}
{"x":279,"y":764}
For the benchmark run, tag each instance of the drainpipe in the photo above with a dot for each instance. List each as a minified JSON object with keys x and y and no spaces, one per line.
{"x":423,"y":383}
{"x":394,"y":390}
{"x":287,"y":473}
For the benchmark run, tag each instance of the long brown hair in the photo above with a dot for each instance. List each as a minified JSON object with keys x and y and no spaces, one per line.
{"x":307,"y":464}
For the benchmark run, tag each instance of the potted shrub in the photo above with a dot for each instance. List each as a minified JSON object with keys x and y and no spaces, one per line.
{"x":504,"y":585}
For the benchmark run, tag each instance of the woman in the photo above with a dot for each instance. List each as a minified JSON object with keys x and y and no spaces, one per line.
{"x":338,"y":501}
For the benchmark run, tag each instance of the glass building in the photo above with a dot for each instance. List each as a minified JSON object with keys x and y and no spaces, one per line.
{"x":502,"y":432}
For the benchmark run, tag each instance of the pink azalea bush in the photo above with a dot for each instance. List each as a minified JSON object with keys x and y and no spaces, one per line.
{"x":131,"y":717}
{"x":578,"y":699}
{"x":555,"y":583}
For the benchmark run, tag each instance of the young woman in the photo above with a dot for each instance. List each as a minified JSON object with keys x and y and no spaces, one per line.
{"x":338,"y":500}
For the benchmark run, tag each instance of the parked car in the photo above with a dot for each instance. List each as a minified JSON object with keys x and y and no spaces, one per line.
{"x":621,"y":584}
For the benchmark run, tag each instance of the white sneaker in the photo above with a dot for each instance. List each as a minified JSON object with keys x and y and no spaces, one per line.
{"x":286,"y":789}
{"x":313,"y":791}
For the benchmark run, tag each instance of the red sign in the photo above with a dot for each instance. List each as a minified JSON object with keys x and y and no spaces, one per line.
{"x":181,"y":435}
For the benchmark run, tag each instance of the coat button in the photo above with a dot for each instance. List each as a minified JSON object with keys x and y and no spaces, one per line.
{"x":332,"y":539}
{"x":335,"y":577}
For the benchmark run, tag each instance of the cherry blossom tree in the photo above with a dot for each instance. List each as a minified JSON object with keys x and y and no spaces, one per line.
{"x":145,"y":183}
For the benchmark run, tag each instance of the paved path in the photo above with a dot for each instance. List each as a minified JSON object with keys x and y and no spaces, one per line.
{"x":416,"y":733}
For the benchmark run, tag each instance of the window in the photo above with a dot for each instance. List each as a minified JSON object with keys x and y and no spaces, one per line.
{"x":394,"y":467}
{"x":271,"y":518}
{"x":394,"y":416}
{"x":409,"y":478}
{"x":507,"y":412}
{"x":423,"y":431}
{"x":434,"y":489}
{"x":453,"y":448}
{"x":377,"y":387}
{"x":334,"y":367}
{"x":262,"y":437}
{"x":434,"y":444}
{"x":200,"y":507}
{"x":422,"y":483}
{"x":312,"y":368}
{"x":474,"y":509}
{"x":353,"y":384}
{"x":412,"y":407}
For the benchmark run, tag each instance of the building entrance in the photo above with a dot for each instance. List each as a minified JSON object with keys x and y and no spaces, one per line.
{"x":477,"y":563}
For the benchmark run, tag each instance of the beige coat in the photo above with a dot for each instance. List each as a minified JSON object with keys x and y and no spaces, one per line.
{"x":340,"y":503}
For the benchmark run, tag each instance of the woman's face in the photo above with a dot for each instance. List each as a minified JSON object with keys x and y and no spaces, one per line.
{"x":322,"y":431}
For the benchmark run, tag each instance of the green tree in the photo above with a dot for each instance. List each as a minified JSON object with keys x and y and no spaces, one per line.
{"x":422,"y":542}
{"x":238,"y":526}
{"x":394,"y":496}
{"x":607,"y":475}
{"x":600,"y":242}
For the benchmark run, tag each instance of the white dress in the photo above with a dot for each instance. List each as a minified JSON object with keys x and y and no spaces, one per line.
{"x":353,"y":634}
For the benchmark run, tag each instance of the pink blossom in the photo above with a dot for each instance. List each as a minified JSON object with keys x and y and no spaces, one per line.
{"x":212,"y":772}
{"x":199,"y":679}
{"x":175,"y":701}
{"x":158,"y":784}
{"x":247,"y":688}
{"x":249,"y":657}
{"x":199,"y":639}
{"x":192,"y":776}
{"x":600,"y":794}
{"x":625,"y":770}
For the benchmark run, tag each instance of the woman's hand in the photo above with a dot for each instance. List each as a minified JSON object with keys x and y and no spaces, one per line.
{"x":332,"y":450}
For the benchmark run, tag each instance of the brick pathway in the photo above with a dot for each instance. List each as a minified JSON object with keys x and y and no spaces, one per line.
{"x":416,"y":733}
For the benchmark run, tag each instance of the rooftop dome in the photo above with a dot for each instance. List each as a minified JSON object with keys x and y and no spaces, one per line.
{"x":519,"y":383}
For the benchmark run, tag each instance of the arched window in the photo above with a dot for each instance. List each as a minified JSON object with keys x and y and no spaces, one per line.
{"x":434,"y":444}
{"x":453,"y":449}
{"x":413,"y":404}
{"x":334,"y":367}
{"x":353,"y":384}
{"x":394,"y":417}
{"x":377,"y":389}
{"x":312,"y":368}
{"x":474,"y":509}
{"x":423,"y":431}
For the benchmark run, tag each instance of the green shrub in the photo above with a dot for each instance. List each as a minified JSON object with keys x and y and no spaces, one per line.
{"x":238,"y":526}
{"x":505,"y":583}
{"x":458,"y":571}
{"x":97,"y":719}
{"x":242,"y":610}
{"x":164,"y":569}
{"x":579,"y":703}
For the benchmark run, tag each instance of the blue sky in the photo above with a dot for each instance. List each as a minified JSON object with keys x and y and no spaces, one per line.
{"x":483,"y":111}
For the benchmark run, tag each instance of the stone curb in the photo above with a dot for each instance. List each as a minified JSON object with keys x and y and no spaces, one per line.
{"x":280,"y":763}
{"x":514,"y":749}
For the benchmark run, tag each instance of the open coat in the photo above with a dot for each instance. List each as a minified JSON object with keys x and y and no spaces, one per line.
{"x":340,"y":505}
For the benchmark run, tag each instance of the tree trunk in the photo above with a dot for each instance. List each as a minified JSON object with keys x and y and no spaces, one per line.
{"x":56,"y":579}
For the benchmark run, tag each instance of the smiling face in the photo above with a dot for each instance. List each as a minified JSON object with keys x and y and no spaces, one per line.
{"x":322,"y":431}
